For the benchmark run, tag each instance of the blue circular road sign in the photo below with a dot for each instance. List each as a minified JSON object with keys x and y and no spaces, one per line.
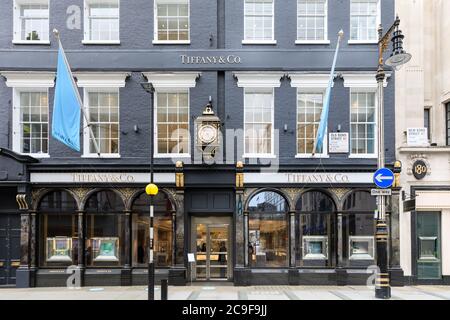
{"x":383,"y":178}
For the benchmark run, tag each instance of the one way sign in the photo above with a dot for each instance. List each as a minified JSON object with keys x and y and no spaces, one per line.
{"x":383,"y":178}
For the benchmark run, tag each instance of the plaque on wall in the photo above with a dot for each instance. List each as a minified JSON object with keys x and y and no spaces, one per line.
{"x":419,"y":169}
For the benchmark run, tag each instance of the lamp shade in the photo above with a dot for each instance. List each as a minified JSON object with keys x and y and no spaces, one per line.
{"x":151,"y":189}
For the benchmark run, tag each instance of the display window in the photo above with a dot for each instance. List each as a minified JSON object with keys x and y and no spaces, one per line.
{"x":105,"y":232}
{"x":58,"y":230}
{"x":163,"y":230}
{"x":358,"y":229}
{"x":268,"y":230}
{"x":315,"y":235}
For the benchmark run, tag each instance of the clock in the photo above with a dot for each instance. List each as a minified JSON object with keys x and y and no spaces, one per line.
{"x":207,"y":133}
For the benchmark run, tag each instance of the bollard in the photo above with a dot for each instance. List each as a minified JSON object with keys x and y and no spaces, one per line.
{"x":164,"y":289}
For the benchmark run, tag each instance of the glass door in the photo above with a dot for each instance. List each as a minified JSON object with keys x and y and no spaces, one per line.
{"x":428,"y":246}
{"x":218,"y":252}
{"x":212,"y":251}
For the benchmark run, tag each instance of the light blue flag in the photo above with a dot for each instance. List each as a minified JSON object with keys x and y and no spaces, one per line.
{"x":318,"y":146}
{"x":67,"y":105}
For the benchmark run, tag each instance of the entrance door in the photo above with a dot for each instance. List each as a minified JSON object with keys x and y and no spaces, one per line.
{"x":9,"y":248}
{"x":428,"y":246}
{"x":212,"y":247}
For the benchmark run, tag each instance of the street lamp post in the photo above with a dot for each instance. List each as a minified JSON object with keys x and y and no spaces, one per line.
{"x":152,"y":191}
{"x":398,"y":58}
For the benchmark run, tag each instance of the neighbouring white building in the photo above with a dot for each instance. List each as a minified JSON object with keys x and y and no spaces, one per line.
{"x":423,"y":101}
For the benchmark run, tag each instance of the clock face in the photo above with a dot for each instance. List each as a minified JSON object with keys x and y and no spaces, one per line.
{"x":207,"y":133}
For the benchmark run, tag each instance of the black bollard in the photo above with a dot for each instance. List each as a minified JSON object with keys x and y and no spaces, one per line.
{"x":164,"y":289}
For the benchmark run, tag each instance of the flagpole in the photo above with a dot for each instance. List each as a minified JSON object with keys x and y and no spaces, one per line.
{"x":328,"y":92}
{"x":80,"y":101}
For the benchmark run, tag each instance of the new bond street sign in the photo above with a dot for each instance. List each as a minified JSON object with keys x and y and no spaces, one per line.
{"x":383,"y":178}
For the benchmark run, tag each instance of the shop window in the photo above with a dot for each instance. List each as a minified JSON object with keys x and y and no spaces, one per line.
{"x":172,"y":21}
{"x":259,"y":21}
{"x":358,"y":228}
{"x":428,"y":246}
{"x":31,"y":21}
{"x":311,"y":20}
{"x":58,"y":229}
{"x":101,"y":23}
{"x":268,"y":230}
{"x":315,"y":230}
{"x":163,"y":230}
{"x":105,"y":234}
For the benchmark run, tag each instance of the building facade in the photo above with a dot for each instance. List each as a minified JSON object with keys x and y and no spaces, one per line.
{"x":239,"y":88}
{"x":422,"y":135}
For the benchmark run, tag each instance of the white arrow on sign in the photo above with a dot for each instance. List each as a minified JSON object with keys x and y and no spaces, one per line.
{"x":380,"y":178}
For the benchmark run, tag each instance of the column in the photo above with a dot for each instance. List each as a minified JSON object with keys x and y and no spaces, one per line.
{"x":81,"y":245}
{"x":126,"y":276}
{"x":292,"y":239}
{"x":247,"y":258}
{"x":395,"y":270}
{"x":174,"y":242}
{"x":33,"y":247}
{"x":23,"y":276}
{"x":241,"y":245}
{"x":341,"y":272}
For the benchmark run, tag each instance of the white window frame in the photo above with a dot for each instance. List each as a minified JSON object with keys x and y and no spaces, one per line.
{"x":324,"y":154}
{"x":86,"y":131}
{"x":155,"y":23}
{"x":270,"y":155}
{"x":310,"y":83}
{"x":373,"y":155}
{"x":166,"y":83}
{"x":17,"y":27}
{"x":156,"y":153}
{"x":264,"y":81}
{"x":323,"y":41}
{"x":97,"y":82}
{"x":27,"y":82}
{"x":378,"y":22}
{"x":250,"y":41}
{"x":363,"y":82}
{"x":87,"y":25}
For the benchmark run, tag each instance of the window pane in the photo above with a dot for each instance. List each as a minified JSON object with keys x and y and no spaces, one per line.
{"x":258,"y":17}
{"x":172,"y":122}
{"x":104,"y":117}
{"x":173,"y":21}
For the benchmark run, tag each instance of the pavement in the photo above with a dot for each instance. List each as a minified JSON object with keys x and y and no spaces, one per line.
{"x":220,"y":292}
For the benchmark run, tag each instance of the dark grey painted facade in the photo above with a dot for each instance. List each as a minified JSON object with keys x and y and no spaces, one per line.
{"x":216,"y":30}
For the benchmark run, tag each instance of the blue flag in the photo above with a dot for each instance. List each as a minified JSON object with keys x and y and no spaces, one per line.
{"x":318,"y":146}
{"x":67,"y":106}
